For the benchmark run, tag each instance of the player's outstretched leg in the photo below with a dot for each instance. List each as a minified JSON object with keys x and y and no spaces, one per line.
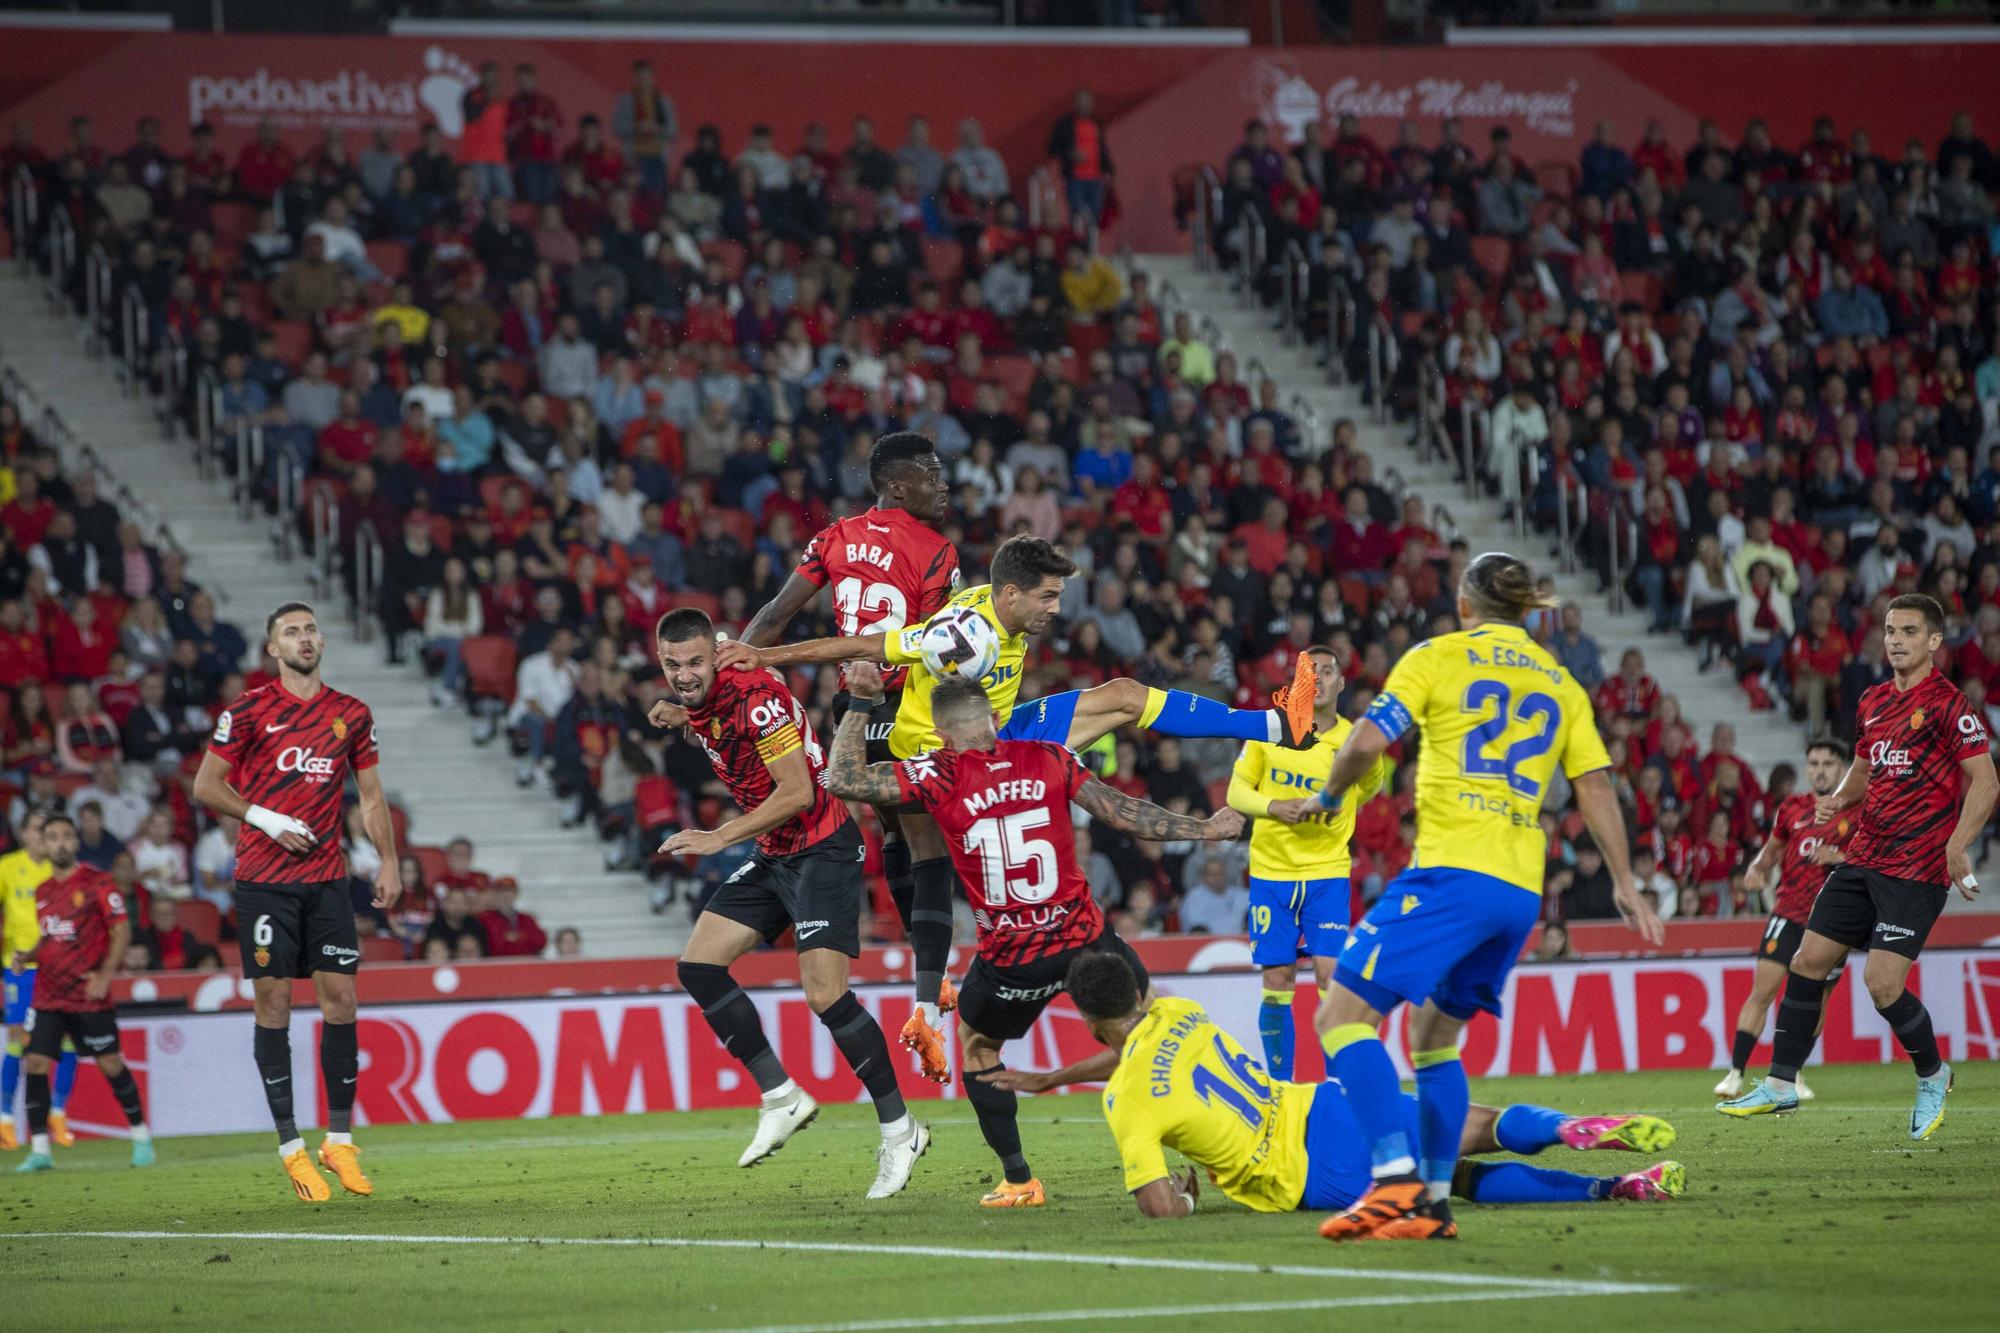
{"x":785,"y":1107}
{"x":59,"y":1132}
{"x":1125,"y":702}
{"x":1517,"y":1182}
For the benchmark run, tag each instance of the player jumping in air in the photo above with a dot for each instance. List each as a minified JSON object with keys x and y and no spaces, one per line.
{"x":1923,"y":777}
{"x":84,"y":931}
{"x":21,"y":873}
{"x":1173,"y":1079}
{"x":888,"y":567}
{"x":1003,"y":806}
{"x":279,"y":762}
{"x":1028,"y":574}
{"x":805,"y":874}
{"x":1799,"y":849}
{"x":1497,"y":714}
{"x":1298,"y":858}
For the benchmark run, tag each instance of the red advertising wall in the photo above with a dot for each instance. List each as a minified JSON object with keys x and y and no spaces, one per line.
{"x":1167,"y":104}
{"x":593,"y":1055}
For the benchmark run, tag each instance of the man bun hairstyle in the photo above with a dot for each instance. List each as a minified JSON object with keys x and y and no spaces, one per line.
{"x":1923,"y":604}
{"x":684,"y":623}
{"x":284,"y":609}
{"x":1024,"y":561}
{"x":1502,"y":587}
{"x":895,"y":451}
{"x":1102,"y":986}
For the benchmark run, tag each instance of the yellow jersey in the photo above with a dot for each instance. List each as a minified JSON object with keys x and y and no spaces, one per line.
{"x":1317,"y":846}
{"x":1184,"y":1083}
{"x":915,"y":731}
{"x":20,"y":876}
{"x":1498,"y":713}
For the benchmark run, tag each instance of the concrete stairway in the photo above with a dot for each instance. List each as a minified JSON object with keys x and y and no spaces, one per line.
{"x":1706,"y":698}
{"x":429,"y":764}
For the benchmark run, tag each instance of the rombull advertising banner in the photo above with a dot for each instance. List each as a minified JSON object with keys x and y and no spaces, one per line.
{"x":608,"y":1055}
{"x":1165,"y":105}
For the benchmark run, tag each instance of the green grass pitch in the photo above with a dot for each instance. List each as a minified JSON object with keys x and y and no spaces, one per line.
{"x":1832,"y":1215}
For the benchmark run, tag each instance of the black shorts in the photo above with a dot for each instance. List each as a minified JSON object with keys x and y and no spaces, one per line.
{"x":1004,"y":1002}
{"x":1781,"y":939}
{"x":93,"y":1032}
{"x":880,"y":724}
{"x":1865,"y":909}
{"x":295,"y":930}
{"x":817,"y":892}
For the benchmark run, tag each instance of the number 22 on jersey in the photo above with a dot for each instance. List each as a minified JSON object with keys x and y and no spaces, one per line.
{"x":882,"y":602}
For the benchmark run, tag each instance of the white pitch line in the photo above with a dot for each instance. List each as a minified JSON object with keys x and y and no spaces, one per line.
{"x":1551,"y":1286}
{"x":1148,"y":1312}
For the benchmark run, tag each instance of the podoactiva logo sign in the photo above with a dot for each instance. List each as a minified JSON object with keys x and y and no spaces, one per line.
{"x":356,"y":98}
{"x":1281,"y":93}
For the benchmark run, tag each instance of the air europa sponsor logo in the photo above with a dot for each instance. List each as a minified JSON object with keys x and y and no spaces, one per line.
{"x":1283,"y":95}
{"x":352,"y":97}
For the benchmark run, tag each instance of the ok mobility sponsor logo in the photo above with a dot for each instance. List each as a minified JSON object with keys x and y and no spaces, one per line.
{"x":350,"y":98}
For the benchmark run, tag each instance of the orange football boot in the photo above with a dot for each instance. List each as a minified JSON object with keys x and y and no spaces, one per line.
{"x":307,"y":1182}
{"x":928,"y":1043}
{"x":8,"y":1140}
{"x":1006,"y":1194}
{"x":59,"y":1131}
{"x":1387,"y":1201}
{"x":1296,"y":701}
{"x":340,"y":1158}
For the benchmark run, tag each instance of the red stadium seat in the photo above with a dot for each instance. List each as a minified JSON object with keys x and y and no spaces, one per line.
{"x":392,"y":257}
{"x":444,"y":532}
{"x":738,"y":525}
{"x":432,"y":860}
{"x":1645,"y":288}
{"x":492,"y":488}
{"x":202,"y":919}
{"x":229,"y":224}
{"x":516,"y":375}
{"x":1493,"y":255}
{"x":295,"y":342}
{"x":1086,"y":339}
{"x":944,"y":260}
{"x":705,"y":602}
{"x":382,"y":949}
{"x":732,"y":256}
{"x":1014,"y":373}
{"x":399,"y":824}
{"x":490,"y":660}
{"x":1556,"y":177}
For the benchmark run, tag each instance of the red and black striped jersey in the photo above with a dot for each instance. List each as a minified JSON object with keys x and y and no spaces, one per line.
{"x":749,"y":720}
{"x":1004,"y":813}
{"x":1914,"y":741}
{"x":1800,"y":834}
{"x":76,"y":913}
{"x":293,"y":755}
{"x":888,"y":569}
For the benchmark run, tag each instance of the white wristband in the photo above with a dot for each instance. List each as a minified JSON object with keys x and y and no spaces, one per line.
{"x":274,"y":824}
{"x":1187,"y":1199}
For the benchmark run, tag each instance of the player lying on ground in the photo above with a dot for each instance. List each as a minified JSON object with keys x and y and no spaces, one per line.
{"x":805,"y":874}
{"x":1003,"y":806}
{"x":84,"y":931}
{"x":1028,"y":574}
{"x":888,"y":568}
{"x":279,"y":761}
{"x":1799,"y":849}
{"x":1496,"y":714}
{"x":1173,"y":1079}
{"x":1299,"y":859}
{"x":21,"y":873}
{"x":1923,"y":777}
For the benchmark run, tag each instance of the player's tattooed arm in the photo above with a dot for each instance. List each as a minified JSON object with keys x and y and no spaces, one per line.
{"x":1143,"y":819}
{"x":849,"y":775}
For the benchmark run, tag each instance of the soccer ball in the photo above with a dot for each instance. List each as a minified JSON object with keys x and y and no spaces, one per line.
{"x":959,"y":641}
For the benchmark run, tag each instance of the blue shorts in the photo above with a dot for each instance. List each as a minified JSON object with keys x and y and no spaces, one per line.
{"x":1439,"y":933}
{"x":1293,"y":916}
{"x":1338,"y":1169}
{"x":20,"y":994}
{"x":1044,"y":719}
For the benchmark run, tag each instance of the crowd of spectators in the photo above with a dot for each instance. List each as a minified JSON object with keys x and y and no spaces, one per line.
{"x":1764,"y":382}
{"x":569,"y":390}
